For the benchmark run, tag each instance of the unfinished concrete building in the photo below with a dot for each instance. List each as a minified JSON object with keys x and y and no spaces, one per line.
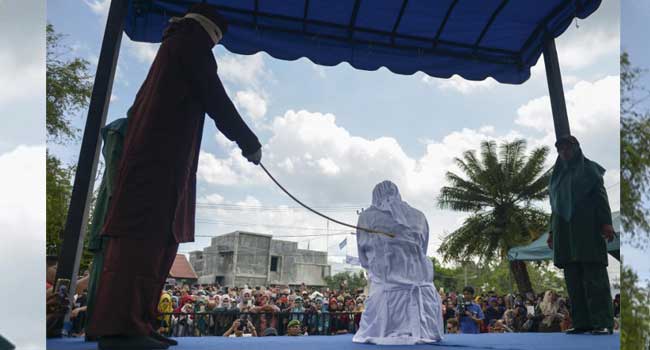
{"x":255,"y":259}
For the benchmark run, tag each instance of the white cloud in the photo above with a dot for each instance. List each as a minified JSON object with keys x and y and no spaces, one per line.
{"x":143,"y":52}
{"x":252,"y":103}
{"x":22,"y":184}
{"x":328,"y":166}
{"x":223,"y":141}
{"x":216,"y":171}
{"x":286,"y":165}
{"x":246,"y":70}
{"x":593,"y":109}
{"x":213,"y":198}
{"x":250,"y":201}
{"x":99,"y":7}
{"x":580,"y":51}
{"x":332,"y":158}
{"x":22,"y":219}
{"x":457,"y":83}
{"x":487,"y":129}
{"x":234,"y":170}
{"x":20,"y":81}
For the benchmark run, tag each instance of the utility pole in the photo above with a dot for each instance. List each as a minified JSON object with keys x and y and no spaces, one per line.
{"x":327,"y":238}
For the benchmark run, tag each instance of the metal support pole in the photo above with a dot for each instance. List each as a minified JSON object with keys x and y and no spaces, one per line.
{"x":77,"y":220}
{"x":555,"y":90}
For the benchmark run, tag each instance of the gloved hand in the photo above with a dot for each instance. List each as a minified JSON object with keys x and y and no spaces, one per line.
{"x":608,"y":232}
{"x":255,"y":157}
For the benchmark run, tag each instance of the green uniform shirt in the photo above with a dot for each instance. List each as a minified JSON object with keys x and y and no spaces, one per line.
{"x":581,"y":240}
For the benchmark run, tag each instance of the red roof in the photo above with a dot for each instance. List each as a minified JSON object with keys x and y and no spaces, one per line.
{"x":182,"y":268}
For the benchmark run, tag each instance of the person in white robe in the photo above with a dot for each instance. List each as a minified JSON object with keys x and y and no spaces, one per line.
{"x":404,"y":306}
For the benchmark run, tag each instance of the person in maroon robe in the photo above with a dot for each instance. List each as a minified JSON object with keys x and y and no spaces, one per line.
{"x":153,"y":204}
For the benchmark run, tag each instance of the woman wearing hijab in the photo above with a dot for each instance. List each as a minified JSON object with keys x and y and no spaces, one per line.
{"x":165,"y":308}
{"x":404,"y":306}
{"x":581,"y":222}
{"x":548,"y":313}
{"x":201,"y":319}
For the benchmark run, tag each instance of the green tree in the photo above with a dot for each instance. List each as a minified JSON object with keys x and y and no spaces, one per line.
{"x":68,"y":87}
{"x":68,"y":91}
{"x":635,"y":311}
{"x":499,"y":191}
{"x":446,"y":278}
{"x":635,"y":158}
{"x":354,"y":281}
{"x":496,"y":277}
{"x":58,"y":193}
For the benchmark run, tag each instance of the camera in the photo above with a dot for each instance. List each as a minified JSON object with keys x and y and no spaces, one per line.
{"x":61,"y":287}
{"x":464,"y":306}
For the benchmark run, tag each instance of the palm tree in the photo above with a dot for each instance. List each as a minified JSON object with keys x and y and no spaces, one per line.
{"x":499,"y":191}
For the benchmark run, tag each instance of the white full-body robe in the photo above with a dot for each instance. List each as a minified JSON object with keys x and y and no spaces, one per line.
{"x":403,"y":306}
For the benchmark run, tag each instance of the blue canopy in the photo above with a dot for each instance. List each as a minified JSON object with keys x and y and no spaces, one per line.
{"x":539,"y":250}
{"x":475,"y":39}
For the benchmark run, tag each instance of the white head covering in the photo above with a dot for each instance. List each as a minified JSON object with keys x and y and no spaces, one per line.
{"x":386,"y":198}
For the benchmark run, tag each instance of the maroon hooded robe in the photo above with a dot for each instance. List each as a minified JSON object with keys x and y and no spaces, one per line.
{"x":152,"y":206}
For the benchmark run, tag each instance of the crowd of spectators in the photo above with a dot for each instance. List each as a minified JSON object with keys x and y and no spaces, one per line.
{"x":208,"y":310}
{"x":280,"y":310}
{"x":493,"y":313}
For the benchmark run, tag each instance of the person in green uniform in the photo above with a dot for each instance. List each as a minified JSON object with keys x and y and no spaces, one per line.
{"x":113,"y":135}
{"x":580,"y":225}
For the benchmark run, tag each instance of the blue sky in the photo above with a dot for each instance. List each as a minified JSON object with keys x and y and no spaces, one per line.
{"x":634,"y":29}
{"x":331,"y":133}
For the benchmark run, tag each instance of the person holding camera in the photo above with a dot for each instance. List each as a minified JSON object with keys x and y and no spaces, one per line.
{"x":470,"y":313}
{"x":242,"y":327}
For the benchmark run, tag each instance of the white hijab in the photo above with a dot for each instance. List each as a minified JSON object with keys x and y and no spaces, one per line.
{"x":386,"y":198}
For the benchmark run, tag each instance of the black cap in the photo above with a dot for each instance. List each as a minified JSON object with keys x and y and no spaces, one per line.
{"x":567,"y":139}
{"x":212,"y":14}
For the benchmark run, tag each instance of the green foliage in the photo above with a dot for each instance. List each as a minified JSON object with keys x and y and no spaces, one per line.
{"x":354,"y":281}
{"x":59,"y":188}
{"x":635,"y":158}
{"x":635,"y":311}
{"x":447,"y":278}
{"x":496,"y":277}
{"x":499,"y":190}
{"x":68,"y":90}
{"x":68,"y":85}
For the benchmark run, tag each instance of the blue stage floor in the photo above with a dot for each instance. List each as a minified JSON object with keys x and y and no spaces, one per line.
{"x":507,"y":341}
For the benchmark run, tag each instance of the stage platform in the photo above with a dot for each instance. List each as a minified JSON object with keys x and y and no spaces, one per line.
{"x":505,"y":341}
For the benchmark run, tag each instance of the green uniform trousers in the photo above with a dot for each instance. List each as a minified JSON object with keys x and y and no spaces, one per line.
{"x":93,"y":282}
{"x":591,"y":298}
